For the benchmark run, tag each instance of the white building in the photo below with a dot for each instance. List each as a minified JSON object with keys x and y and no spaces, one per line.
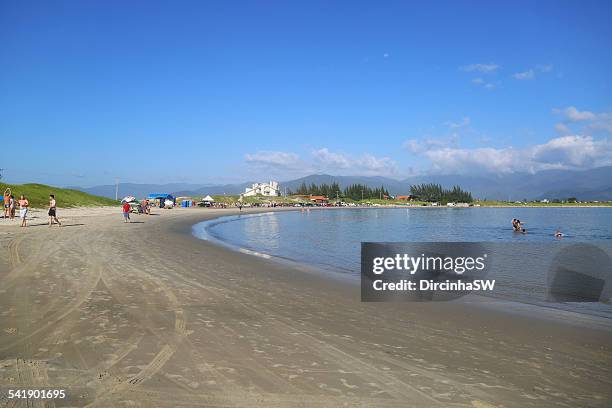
{"x":270,"y":189}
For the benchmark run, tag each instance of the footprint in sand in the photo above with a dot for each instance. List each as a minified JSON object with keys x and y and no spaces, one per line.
{"x":482,"y":404}
{"x":346,"y":384}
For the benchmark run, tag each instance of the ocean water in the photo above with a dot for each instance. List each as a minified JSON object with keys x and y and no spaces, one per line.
{"x":330,"y":239}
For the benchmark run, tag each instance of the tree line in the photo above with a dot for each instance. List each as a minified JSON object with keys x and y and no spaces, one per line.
{"x":424,"y":192}
{"x":436,"y":193}
{"x":333,"y":190}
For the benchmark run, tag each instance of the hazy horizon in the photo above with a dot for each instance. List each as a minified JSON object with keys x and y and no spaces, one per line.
{"x":280,"y":180}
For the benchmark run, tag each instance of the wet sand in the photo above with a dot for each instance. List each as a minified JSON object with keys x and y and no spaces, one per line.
{"x":145,"y":315}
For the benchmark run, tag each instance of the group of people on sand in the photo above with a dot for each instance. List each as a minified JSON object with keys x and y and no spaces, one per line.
{"x":10,"y":206}
{"x":144,"y":208}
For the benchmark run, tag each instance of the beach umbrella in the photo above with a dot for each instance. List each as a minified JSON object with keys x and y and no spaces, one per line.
{"x":128,"y":199}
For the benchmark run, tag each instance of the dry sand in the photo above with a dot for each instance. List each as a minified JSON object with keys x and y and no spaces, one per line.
{"x":145,"y":315}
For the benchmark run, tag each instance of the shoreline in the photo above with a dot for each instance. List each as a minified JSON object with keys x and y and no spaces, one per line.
{"x":537,"y":310}
{"x":146,"y":314}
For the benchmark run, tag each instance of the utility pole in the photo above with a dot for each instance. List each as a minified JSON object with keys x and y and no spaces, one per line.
{"x":116,"y":188}
{"x":362,"y":194}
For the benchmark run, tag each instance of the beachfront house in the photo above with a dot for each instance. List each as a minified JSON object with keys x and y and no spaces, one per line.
{"x":404,"y":197}
{"x":319,"y":200}
{"x":314,"y":199}
{"x":270,"y":189}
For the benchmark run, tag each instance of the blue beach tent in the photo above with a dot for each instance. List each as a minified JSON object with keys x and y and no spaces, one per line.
{"x":161,"y":198}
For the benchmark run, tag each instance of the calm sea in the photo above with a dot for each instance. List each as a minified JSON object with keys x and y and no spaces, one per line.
{"x":330,"y":239}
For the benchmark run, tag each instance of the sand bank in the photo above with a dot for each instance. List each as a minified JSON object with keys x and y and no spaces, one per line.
{"x":146,"y":315}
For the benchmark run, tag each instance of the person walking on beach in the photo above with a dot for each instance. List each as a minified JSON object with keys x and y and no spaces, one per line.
{"x":12,"y":207}
{"x":53,"y":211}
{"x":6,"y":206}
{"x":23,"y":210}
{"x":126,"y":212}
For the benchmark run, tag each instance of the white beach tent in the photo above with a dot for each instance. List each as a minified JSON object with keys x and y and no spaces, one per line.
{"x":208,"y":199}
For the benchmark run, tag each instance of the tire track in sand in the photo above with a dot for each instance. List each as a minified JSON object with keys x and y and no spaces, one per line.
{"x":58,"y":316}
{"x":111,"y":390}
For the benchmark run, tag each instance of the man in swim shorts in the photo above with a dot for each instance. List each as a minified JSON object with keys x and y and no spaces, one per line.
{"x":126,"y":212}
{"x":23,"y":210}
{"x":12,"y":205}
{"x":53,"y":211}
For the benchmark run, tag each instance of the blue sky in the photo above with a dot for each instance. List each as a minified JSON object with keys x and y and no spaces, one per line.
{"x":212,"y":92}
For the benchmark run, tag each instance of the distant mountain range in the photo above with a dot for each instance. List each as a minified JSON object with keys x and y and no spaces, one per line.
{"x":137,"y":190}
{"x":593,"y":184}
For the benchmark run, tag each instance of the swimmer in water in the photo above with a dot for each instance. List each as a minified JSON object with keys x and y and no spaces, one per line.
{"x":516,"y":225}
{"x":558,"y":234}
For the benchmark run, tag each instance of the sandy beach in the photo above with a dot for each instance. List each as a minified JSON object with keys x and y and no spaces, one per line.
{"x":146,"y":315}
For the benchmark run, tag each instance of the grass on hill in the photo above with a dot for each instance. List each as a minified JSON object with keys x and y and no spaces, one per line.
{"x":38,"y":196}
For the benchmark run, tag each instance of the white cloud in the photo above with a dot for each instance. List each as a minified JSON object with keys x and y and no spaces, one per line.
{"x":484,"y":68}
{"x":465,"y":161}
{"x":527,"y":75}
{"x":481,"y":82}
{"x":603,"y":123}
{"x":574,"y":115}
{"x":330,"y":159}
{"x":376,"y":165}
{"x":573,"y":152}
{"x":419,"y":146}
{"x":565,"y":152}
{"x":343,"y":164}
{"x":278,"y":164}
{"x":272,"y":159}
{"x":583,"y":122}
{"x":562,"y":128}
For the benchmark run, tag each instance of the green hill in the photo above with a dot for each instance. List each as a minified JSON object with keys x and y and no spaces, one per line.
{"x":38,"y":195}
